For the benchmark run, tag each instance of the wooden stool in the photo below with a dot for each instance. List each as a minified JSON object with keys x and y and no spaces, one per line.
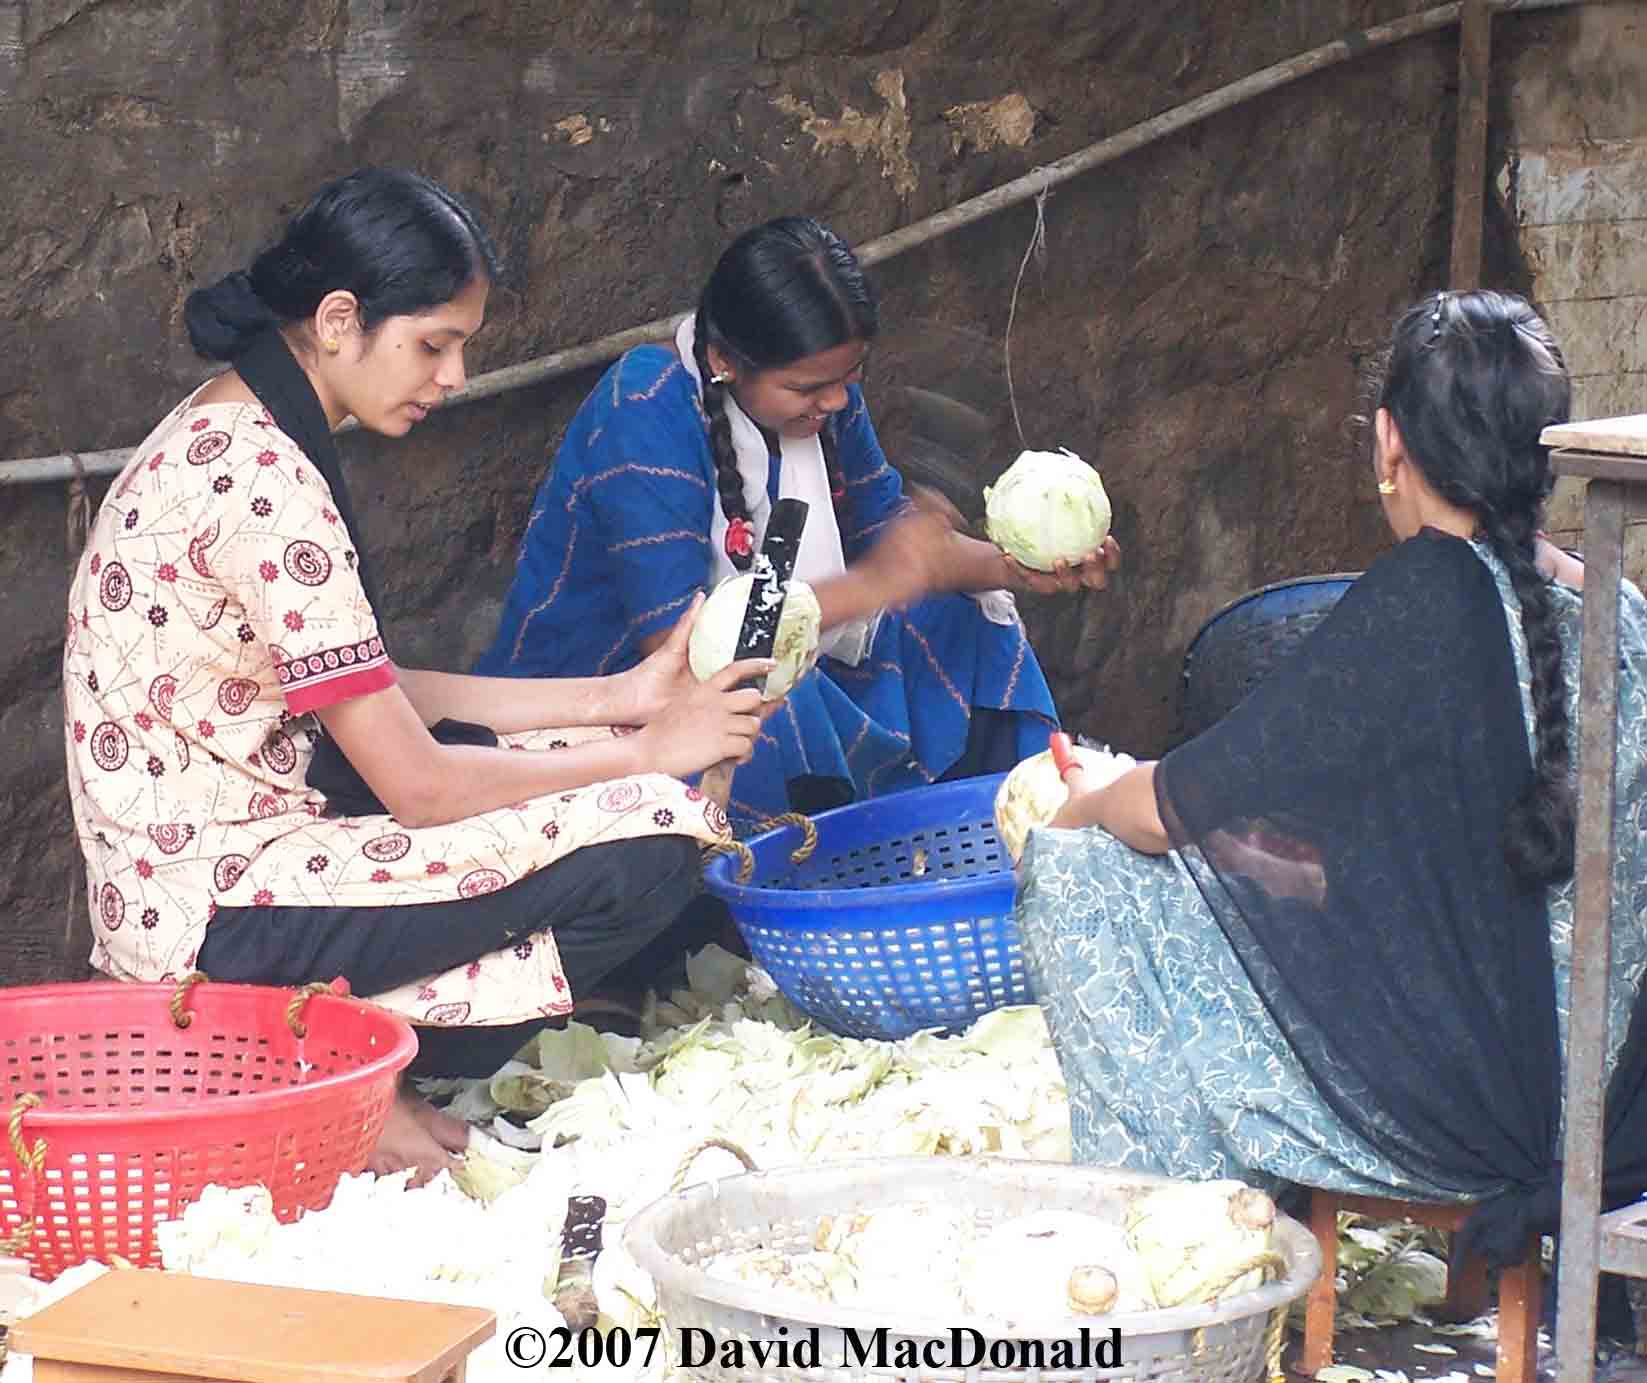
{"x":1520,"y":1289}
{"x":154,"y":1327}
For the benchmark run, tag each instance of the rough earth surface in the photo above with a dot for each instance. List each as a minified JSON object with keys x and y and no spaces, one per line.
{"x":1194,"y":326}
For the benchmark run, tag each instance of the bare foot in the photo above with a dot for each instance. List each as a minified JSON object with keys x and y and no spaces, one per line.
{"x":419,"y":1136}
{"x":446,"y":1129}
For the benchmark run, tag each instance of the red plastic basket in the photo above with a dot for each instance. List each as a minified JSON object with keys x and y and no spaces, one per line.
{"x":126,"y":1100}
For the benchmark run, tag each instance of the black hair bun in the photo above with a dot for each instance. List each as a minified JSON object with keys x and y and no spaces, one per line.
{"x":225,"y":318}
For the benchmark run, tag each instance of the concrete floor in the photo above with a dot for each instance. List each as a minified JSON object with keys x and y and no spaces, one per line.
{"x":1411,"y":1348}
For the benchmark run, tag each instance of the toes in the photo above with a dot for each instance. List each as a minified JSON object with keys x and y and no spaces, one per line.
{"x":446,"y":1129}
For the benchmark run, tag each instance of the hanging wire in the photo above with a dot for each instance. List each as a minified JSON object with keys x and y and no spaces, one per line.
{"x":1037,"y":248}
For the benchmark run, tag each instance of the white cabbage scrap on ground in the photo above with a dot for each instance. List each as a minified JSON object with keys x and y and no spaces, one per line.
{"x":1388,"y":1273}
{"x":587,"y":1113}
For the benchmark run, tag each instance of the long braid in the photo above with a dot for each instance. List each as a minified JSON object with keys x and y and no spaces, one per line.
{"x":727,"y":480}
{"x":1472,"y":380}
{"x":1539,"y":828}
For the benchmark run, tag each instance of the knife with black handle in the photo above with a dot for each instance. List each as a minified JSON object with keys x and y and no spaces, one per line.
{"x":580,"y":1244}
{"x":758,"y":635}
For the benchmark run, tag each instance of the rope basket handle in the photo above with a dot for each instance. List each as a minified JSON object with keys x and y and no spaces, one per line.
{"x":31,"y":1162}
{"x":294,"y":1010}
{"x":180,"y":996}
{"x":698,"y":1149}
{"x":1268,"y":1261}
{"x":809,"y":833}
{"x":746,"y":856}
{"x":1274,"y":1336}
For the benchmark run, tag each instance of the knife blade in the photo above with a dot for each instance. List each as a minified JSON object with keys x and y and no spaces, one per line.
{"x":774,"y":566}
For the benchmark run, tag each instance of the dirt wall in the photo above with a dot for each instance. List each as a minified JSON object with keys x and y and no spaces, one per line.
{"x":1573,"y":175}
{"x":1194,"y":326}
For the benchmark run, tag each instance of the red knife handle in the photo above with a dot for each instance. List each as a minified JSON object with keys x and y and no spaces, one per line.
{"x":1063,"y":753}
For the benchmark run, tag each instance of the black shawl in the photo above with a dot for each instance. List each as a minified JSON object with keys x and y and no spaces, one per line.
{"x":270,"y":371}
{"x":1344,"y":825}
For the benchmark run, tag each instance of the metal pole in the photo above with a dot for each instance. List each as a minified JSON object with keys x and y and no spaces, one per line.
{"x":1475,"y":46}
{"x":1580,"y":1240}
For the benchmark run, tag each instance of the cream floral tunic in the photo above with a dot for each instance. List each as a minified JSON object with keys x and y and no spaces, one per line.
{"x":216,"y":606}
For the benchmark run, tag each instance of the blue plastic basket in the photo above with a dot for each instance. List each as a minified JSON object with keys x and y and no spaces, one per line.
{"x":899,"y":920}
{"x":1244,"y":642}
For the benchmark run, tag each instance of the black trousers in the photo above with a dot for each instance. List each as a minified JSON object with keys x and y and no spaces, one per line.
{"x":604,"y":903}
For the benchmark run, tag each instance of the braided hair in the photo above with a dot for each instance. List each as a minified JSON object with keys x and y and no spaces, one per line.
{"x":1472,"y":380}
{"x":781,"y":292}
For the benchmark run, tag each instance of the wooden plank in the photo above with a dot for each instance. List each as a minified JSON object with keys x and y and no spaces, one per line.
{"x":1572,"y":524}
{"x":1624,"y":1241}
{"x":1520,"y":1303}
{"x":1470,"y":149}
{"x":1592,"y":465}
{"x":56,"y":1371}
{"x":1619,"y":436}
{"x":1322,"y":1301}
{"x":173,"y":1325}
{"x":1592,"y":928}
{"x":1448,"y":1215}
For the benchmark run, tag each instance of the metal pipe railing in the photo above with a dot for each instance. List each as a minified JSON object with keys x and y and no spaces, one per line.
{"x":39,"y":469}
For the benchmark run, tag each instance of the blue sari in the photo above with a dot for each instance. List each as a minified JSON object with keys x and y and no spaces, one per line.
{"x":618,"y":543}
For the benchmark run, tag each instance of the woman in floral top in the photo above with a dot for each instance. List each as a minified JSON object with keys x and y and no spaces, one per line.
{"x":222,"y":632}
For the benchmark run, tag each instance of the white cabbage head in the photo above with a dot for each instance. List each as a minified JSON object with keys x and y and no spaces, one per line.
{"x":715,"y":635}
{"x":1033,"y":792}
{"x":1194,"y":1237}
{"x":1047,"y":507}
{"x":1050,"y":1264}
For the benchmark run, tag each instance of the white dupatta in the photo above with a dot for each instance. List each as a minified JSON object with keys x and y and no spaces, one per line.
{"x":803,"y":475}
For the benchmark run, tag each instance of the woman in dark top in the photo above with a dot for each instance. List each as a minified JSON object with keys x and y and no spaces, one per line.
{"x":1328,"y":940}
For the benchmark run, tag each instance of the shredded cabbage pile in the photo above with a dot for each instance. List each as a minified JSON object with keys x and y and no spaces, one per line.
{"x":598,"y":1114}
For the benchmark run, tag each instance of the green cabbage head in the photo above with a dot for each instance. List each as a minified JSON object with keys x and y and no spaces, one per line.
{"x":715,"y":636}
{"x":1047,"y":507}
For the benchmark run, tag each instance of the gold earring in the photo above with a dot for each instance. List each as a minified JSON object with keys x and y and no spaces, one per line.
{"x":1386,"y":487}
{"x":331,"y":345}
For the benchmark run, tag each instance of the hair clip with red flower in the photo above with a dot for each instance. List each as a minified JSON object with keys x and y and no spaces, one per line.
{"x":740,"y":538}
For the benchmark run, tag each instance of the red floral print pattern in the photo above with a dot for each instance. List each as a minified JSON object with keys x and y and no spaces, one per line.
{"x":180,"y":637}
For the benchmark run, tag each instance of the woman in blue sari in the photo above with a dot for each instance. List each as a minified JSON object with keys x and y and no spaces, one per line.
{"x":1328,"y":941}
{"x":662,"y":487}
